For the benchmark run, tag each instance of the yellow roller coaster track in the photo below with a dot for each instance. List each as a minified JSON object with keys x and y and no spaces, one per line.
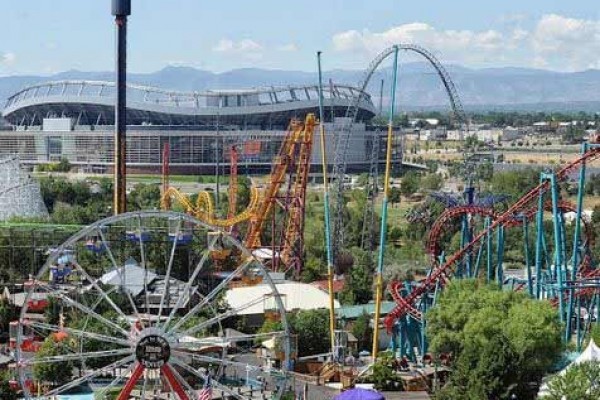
{"x":204,"y":207}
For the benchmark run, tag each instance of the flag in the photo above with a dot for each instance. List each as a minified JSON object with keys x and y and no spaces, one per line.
{"x":206,"y":392}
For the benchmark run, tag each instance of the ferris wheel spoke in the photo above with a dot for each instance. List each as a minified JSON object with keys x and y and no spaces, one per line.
{"x":225,"y":340}
{"x":118,"y":271}
{"x":102,"y":293}
{"x":214,"y":383}
{"x":80,"y":333}
{"x":85,"y":310}
{"x":180,"y":378}
{"x":143,"y":262}
{"x":167,"y":293}
{"x":78,"y":356}
{"x":115,"y":381}
{"x":229,"y":313}
{"x":189,"y":283}
{"x":220,"y":361}
{"x":212,"y":294}
{"x":88,"y":376}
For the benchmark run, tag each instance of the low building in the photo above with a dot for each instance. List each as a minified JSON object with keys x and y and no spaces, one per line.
{"x":511,"y":133}
{"x":295,"y":296}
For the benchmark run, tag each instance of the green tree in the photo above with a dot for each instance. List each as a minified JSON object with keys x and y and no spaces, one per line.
{"x":395,"y":194}
{"x":8,"y":313}
{"x":502,"y":341}
{"x":6,"y":392}
{"x":52,"y":311}
{"x":362,"y":330}
{"x":595,"y":333}
{"x":410,"y":183}
{"x":362,"y":180}
{"x":55,"y":373}
{"x":383,"y":372}
{"x":359,"y":279}
{"x":432,"y":182}
{"x":312,"y":328}
{"x":312,"y":271}
{"x":514,"y":183}
{"x":581,"y":382}
{"x":144,"y":197}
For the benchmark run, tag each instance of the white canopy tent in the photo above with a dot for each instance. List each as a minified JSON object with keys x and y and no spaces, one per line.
{"x":591,"y":353}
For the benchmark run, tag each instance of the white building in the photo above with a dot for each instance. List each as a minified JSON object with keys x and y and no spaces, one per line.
{"x":295,"y":296}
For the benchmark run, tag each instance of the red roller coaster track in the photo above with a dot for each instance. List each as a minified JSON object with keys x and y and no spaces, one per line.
{"x":405,"y":305}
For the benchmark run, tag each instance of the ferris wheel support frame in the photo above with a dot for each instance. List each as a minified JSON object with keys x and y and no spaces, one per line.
{"x":135,"y":342}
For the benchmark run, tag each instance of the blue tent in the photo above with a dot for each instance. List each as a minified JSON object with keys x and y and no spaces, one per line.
{"x":359,"y":394}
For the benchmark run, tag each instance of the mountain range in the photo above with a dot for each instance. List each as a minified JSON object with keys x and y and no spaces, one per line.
{"x":419,"y":87}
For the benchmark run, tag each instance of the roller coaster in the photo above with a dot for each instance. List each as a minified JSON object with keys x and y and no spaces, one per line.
{"x":559,"y":267}
{"x":285,"y":191}
{"x":342,"y":136}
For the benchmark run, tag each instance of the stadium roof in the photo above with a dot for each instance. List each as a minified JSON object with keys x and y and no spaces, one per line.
{"x":92,"y":102}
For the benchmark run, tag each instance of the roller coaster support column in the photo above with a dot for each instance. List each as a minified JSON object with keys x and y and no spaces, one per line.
{"x":500,"y":248}
{"x":526,"y":250}
{"x":466,"y":234}
{"x":558,"y":246}
{"x":488,"y":245}
{"x":386,"y":191}
{"x":326,"y":206}
{"x":539,"y":245}
{"x":121,"y":9}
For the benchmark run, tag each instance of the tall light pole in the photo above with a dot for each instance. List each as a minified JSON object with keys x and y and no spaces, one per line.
{"x":326,"y":206}
{"x":121,"y":9}
{"x":384,"y":210}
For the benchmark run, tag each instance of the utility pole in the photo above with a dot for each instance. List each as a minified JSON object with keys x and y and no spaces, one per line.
{"x":121,"y":9}
{"x":384,"y":211}
{"x":381,"y":98}
{"x":326,"y":207}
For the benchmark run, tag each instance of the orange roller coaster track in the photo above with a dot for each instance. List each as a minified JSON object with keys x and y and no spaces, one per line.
{"x":290,"y":168}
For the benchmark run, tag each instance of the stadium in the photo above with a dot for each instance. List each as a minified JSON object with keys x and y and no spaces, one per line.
{"x":75,"y":120}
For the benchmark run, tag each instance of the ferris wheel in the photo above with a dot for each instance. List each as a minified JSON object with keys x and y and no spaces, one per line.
{"x":139,"y":306}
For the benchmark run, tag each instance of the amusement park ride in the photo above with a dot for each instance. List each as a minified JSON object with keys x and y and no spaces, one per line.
{"x":129,"y":308}
{"x":285,"y":192}
{"x":137,"y":257}
{"x":558,"y":268}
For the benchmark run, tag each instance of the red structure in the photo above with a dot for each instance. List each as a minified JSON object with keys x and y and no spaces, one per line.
{"x":233,"y":182}
{"x":526,"y":206}
{"x":165,"y":173}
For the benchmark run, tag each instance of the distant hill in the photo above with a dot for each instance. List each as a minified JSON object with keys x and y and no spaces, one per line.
{"x":419,"y":87}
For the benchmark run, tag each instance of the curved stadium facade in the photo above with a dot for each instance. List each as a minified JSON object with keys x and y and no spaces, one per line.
{"x":74,"y":120}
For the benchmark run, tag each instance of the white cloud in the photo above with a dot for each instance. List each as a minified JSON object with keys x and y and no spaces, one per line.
{"x":574,"y":42}
{"x":8,"y":58}
{"x":243,"y":46}
{"x":458,"y":45}
{"x":555,"y":42}
{"x":290,"y":47}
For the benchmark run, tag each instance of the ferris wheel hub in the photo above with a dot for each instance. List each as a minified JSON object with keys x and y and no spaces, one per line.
{"x":152,"y":350}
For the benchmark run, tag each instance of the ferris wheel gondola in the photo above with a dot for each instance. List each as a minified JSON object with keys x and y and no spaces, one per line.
{"x":144,"y":321}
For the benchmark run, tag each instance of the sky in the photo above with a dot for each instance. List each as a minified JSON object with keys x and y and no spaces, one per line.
{"x":43,"y":37}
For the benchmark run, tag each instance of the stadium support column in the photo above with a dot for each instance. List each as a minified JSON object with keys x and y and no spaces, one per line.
{"x":121,"y":9}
